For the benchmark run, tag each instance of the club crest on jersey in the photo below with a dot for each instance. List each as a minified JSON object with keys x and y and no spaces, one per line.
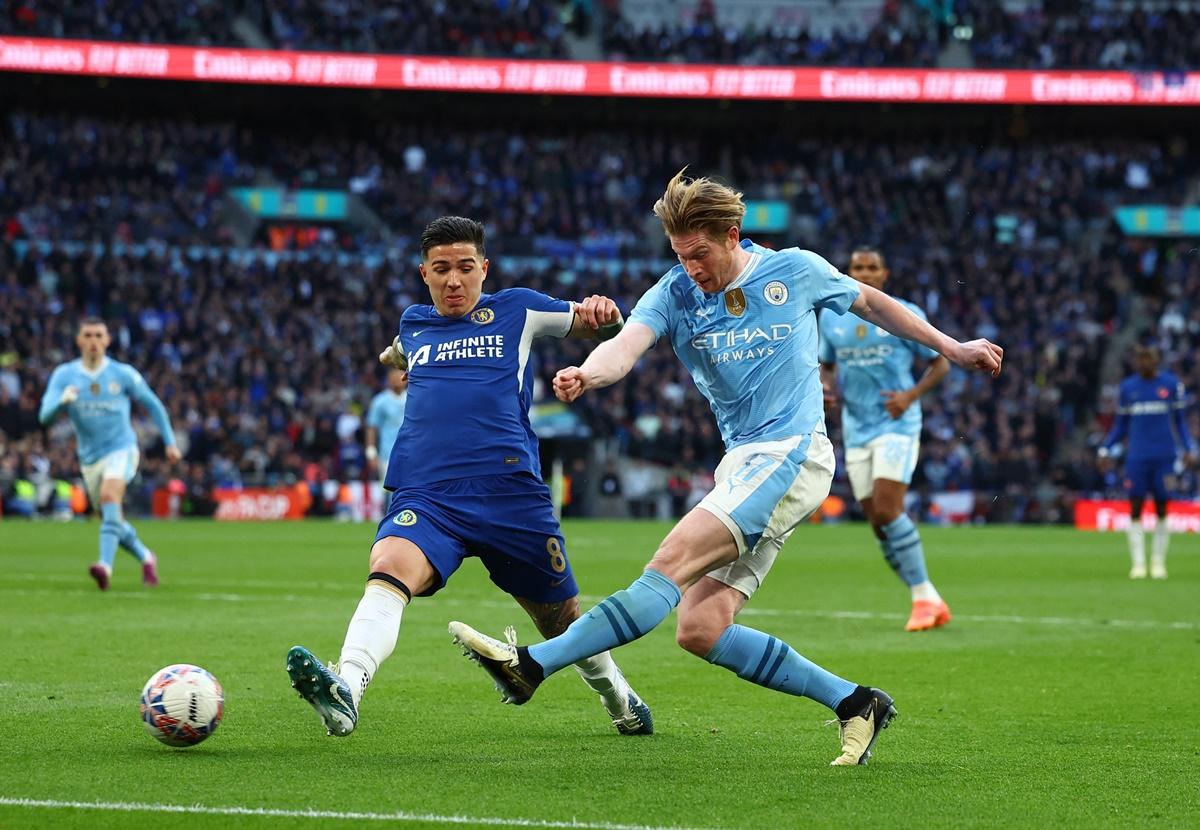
{"x":775,"y":293}
{"x":114,"y":388}
{"x":407,"y":518}
{"x":735,"y":302}
{"x":861,"y":331}
{"x":95,"y":387}
{"x":483,"y":316}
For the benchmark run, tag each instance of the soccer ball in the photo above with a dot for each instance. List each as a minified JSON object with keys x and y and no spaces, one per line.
{"x":182,"y":705}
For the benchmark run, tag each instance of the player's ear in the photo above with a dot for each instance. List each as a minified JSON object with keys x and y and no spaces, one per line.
{"x":421,"y":268}
{"x":484,"y":267}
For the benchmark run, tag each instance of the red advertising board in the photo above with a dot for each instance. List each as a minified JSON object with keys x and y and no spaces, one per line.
{"x":259,"y":504}
{"x":1182,"y":516}
{"x":338,"y":69}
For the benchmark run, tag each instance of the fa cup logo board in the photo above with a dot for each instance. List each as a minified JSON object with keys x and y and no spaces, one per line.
{"x":735,"y":302}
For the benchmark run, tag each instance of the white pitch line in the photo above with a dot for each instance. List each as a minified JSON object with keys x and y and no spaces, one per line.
{"x":337,"y":815}
{"x":1011,"y":619}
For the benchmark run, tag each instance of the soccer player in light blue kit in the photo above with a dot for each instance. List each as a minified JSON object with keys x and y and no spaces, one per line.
{"x":1151,"y":413}
{"x":385,"y":416}
{"x":742,"y":318}
{"x":465,"y":475}
{"x":881,"y":430}
{"x":95,"y":391}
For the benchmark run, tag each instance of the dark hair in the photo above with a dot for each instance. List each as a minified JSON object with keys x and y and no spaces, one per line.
{"x":869,"y":249}
{"x":90,"y":320}
{"x":447,"y":230}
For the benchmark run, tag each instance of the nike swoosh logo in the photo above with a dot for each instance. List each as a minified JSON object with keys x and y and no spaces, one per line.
{"x":419,"y":333}
{"x":336,"y":695}
{"x":556,"y":583}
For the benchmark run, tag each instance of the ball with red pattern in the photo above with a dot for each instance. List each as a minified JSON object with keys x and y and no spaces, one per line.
{"x":182,"y":705}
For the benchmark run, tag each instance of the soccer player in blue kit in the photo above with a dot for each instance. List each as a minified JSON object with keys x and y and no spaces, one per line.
{"x":465,"y":475}
{"x":1151,"y":412}
{"x":742,"y":318}
{"x":95,"y":391}
{"x":881,"y":430}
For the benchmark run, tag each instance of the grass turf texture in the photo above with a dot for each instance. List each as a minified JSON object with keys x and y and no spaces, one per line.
{"x":1036,"y":706}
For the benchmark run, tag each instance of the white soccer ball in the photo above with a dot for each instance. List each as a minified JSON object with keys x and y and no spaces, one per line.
{"x":182,"y":705}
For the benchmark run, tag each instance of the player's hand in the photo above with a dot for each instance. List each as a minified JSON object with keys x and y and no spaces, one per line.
{"x":173,"y":454}
{"x":897,"y":403}
{"x":69,"y":396}
{"x":394,"y":355}
{"x":597,"y":311}
{"x":1192,"y":459}
{"x":569,"y":384}
{"x":979,"y":354}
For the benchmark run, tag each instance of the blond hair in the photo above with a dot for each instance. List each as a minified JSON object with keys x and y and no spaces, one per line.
{"x":699,"y":205}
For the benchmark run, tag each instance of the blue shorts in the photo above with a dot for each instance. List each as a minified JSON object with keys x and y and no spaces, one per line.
{"x":1148,"y":475}
{"x":507,"y":521}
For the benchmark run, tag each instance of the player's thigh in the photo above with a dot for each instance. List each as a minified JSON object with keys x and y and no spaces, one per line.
{"x":1160,"y":473}
{"x":515,"y":534}
{"x":430,"y":522}
{"x":402,"y":559}
{"x":1137,"y":478}
{"x":702,"y":540}
{"x":804,"y":488}
{"x":117,"y":469}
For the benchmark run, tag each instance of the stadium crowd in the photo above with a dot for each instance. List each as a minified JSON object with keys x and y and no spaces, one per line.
{"x":998,"y":35}
{"x":266,"y":361}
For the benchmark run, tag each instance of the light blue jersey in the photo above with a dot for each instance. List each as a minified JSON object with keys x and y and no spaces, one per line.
{"x":752,"y":348}
{"x":386,"y":414}
{"x":870,"y":361}
{"x":101,"y":412}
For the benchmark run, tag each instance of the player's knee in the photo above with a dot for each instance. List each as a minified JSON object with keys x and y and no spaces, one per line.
{"x":698,"y":636}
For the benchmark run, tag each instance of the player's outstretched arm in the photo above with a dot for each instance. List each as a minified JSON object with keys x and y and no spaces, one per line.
{"x":596,"y":318}
{"x":876,"y":307}
{"x":607,"y":364}
{"x":144,"y":395}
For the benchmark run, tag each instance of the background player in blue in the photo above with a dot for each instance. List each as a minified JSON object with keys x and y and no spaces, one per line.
{"x":881,"y":430}
{"x":742,"y":318}
{"x":1151,"y":411}
{"x":465,"y":474}
{"x":384,"y":417}
{"x":95,"y":391}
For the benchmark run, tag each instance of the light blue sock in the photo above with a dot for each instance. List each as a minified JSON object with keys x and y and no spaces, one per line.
{"x":110,"y":532}
{"x":762,"y":659}
{"x":904,"y":551}
{"x":130,"y":541}
{"x":623,"y":617}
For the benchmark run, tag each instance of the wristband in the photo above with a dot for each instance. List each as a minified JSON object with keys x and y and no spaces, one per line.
{"x":608,"y":332}
{"x":372,"y":453}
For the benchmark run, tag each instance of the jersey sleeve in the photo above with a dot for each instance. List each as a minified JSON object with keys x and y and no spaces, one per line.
{"x":919,"y":349}
{"x":826,"y":286}
{"x":549,"y":316}
{"x":654,"y":308}
{"x":140,"y":391}
{"x":826,"y":353}
{"x":375,"y":412}
{"x":54,"y":391}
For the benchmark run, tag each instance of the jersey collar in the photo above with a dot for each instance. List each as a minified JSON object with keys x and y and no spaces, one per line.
{"x":94,"y":373}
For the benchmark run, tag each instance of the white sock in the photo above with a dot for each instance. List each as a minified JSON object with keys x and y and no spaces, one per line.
{"x":1137,"y":543}
{"x":605,"y":679}
{"x":925,"y":590}
{"x":371,"y":635}
{"x":1162,"y":538}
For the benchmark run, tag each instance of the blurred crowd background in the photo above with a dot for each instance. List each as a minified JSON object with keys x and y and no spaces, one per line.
{"x":261,"y":337}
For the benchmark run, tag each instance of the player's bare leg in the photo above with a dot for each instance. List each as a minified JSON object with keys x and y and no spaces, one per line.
{"x":628,"y":713}
{"x":398,"y":569}
{"x":904,"y":552}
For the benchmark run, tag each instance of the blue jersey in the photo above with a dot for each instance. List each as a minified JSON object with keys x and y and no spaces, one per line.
{"x":386,"y":414}
{"x":1152,"y":413}
{"x":470,"y":387}
{"x":871,"y":360}
{"x":101,"y":412}
{"x":752,"y":348}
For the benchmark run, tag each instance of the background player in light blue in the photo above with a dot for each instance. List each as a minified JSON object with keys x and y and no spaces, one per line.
{"x":385,"y":415}
{"x":742,"y":319}
{"x":881,"y":429}
{"x":95,"y":391}
{"x":1151,"y":412}
{"x":466,"y":475}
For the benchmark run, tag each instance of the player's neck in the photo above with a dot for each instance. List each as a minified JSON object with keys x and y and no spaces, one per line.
{"x":92,"y":363}
{"x":737,"y":264}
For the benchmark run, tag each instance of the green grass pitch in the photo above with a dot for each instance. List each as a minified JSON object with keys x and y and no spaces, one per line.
{"x":1061,"y":695}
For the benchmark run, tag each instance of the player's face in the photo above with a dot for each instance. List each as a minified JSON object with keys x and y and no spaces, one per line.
{"x":1145,"y":362}
{"x":455,"y":275}
{"x":867,"y":267}
{"x":707,"y":260}
{"x":92,"y":341}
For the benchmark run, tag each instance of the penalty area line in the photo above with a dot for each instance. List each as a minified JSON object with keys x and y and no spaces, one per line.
{"x":335,"y":815}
